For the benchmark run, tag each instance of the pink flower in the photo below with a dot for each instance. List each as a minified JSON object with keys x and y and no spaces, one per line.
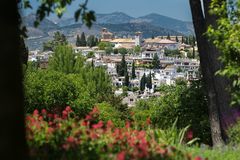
{"x":70,"y":139}
{"x":109,"y":124}
{"x":40,"y":118}
{"x":121,"y":156}
{"x":44,"y":111}
{"x":197,"y":158}
{"x":98,"y":125}
{"x":148,"y":121}
{"x":68,"y":109}
{"x":35,"y":112}
{"x":190,"y":135}
{"x":88,"y":117}
{"x":128,"y":124}
{"x":64,"y":113}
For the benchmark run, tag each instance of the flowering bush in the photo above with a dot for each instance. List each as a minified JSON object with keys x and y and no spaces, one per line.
{"x":52,"y":136}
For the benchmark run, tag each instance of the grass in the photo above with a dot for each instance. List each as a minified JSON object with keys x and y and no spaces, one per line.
{"x":225,"y":153}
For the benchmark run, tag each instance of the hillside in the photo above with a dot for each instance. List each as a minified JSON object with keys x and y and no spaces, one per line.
{"x":119,"y":23}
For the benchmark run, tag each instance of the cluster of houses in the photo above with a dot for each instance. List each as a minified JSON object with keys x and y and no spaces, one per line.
{"x":172,"y":68}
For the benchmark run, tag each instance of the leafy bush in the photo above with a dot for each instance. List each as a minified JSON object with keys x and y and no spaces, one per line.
{"x":54,"y":90}
{"x":52,"y":136}
{"x":234,"y":133}
{"x":189,"y":104}
{"x":48,"y":89}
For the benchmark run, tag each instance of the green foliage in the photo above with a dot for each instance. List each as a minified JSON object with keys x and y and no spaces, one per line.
{"x":234,"y":133}
{"x":143,"y":82}
{"x":90,"y":54}
{"x":78,"y":41}
{"x":83,"y":41}
{"x":108,"y":112}
{"x":115,"y":51}
{"x":172,"y":53}
{"x":133,"y":70}
{"x":189,"y":104}
{"x":225,"y":37}
{"x":63,"y":60}
{"x":174,"y":136}
{"x":149,"y":81}
{"x":48,"y":89}
{"x":58,"y":39}
{"x":104,"y":45}
{"x":92,"y":41}
{"x":137,"y":49}
{"x":126,"y":79}
{"x":122,"y":51}
{"x":122,"y":68}
{"x":156,"y":62}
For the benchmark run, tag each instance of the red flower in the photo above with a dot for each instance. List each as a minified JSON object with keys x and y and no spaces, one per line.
{"x":197,"y":158}
{"x":35,"y":112}
{"x":109,"y":124}
{"x":88,"y":117}
{"x":40,"y":118}
{"x":121,"y":156}
{"x":70,"y":139}
{"x":44,"y":111}
{"x":64,"y":113}
{"x":55,"y":116}
{"x":190,"y":135}
{"x":50,"y":123}
{"x":148,"y":121}
{"x":68,"y":109}
{"x":98,"y":125}
{"x":128,"y":124}
{"x":50,"y":115}
{"x":50,"y":130}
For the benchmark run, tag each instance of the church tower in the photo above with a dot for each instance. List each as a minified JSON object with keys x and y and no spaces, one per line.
{"x":138,"y":38}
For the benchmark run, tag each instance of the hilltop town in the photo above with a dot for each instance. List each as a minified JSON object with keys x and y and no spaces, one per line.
{"x":137,"y":66}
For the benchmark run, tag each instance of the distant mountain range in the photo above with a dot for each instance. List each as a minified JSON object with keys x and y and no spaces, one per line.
{"x":119,"y":23}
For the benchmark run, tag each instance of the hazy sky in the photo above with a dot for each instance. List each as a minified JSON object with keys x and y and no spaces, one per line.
{"x":173,"y":8}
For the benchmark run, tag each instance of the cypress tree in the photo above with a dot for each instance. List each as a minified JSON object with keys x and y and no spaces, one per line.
{"x":123,"y":66}
{"x":168,"y":36}
{"x":78,"y":41}
{"x":177,"y":39}
{"x":156,"y":62}
{"x":126,"y":79}
{"x":143,"y":82}
{"x":149,"y":81}
{"x":133,"y":70}
{"x":83,"y":40}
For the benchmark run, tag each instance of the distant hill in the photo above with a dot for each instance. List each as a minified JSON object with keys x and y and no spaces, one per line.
{"x":167,"y":22}
{"x":153,"y":19}
{"x":119,"y":23}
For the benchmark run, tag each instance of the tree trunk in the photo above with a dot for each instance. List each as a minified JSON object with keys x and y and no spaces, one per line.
{"x":207,"y":64}
{"x":12,"y":134}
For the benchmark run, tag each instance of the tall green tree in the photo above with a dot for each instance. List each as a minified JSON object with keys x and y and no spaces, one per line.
{"x":133,"y":70}
{"x":149,"y":81}
{"x":143,"y":82}
{"x":91,"y":41}
{"x":63,"y":60}
{"x":123,"y":66}
{"x":156,"y":62}
{"x":168,"y":36}
{"x":78,"y":41}
{"x":83,"y":41}
{"x":126,"y":79}
{"x":176,"y":39}
{"x":58,"y":39}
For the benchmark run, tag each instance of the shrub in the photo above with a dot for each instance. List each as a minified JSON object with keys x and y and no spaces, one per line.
{"x":234,"y":133}
{"x":64,"y":136}
{"x":189,"y":104}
